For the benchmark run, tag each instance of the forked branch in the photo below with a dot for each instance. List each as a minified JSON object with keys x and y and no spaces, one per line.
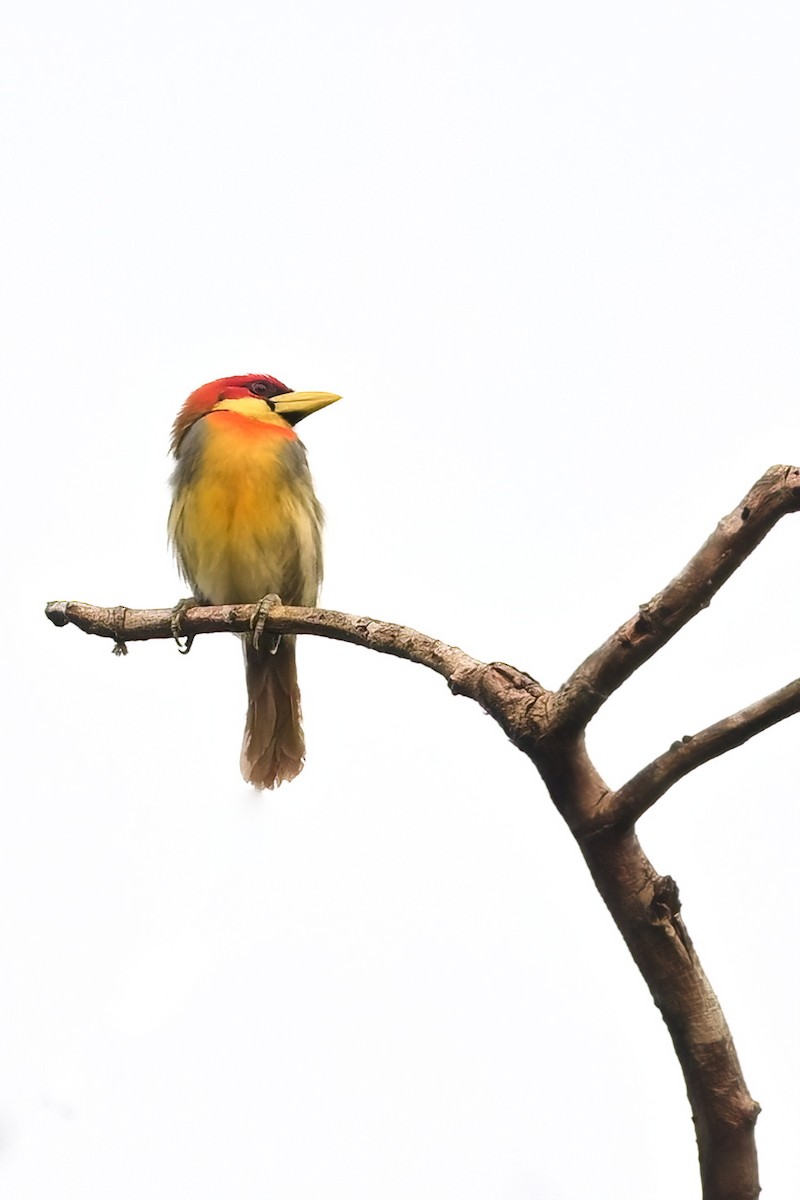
{"x":549,"y":727}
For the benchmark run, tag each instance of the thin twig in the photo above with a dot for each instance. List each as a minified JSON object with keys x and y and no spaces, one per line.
{"x":646,"y":787}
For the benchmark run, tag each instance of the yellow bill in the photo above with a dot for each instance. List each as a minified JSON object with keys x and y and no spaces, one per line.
{"x":295,"y":405}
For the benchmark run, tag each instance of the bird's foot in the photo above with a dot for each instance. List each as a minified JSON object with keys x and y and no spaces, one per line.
{"x":259,"y":621}
{"x":178,"y":613}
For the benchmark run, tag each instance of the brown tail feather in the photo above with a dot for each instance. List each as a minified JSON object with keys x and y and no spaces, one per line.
{"x":273,"y":749}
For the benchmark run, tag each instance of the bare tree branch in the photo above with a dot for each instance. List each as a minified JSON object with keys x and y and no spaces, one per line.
{"x":646,"y":909}
{"x":124,"y":625}
{"x":646,"y":787}
{"x":737,"y":535}
{"x":549,"y":727}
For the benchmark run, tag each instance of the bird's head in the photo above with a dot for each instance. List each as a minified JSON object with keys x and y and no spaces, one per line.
{"x":290,"y":406}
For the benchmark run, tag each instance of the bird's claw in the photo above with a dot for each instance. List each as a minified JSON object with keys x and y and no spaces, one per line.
{"x":120,"y":613}
{"x":176,"y":624}
{"x":259,"y":621}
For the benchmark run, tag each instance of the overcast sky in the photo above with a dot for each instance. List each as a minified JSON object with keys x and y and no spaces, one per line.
{"x":548,"y":254}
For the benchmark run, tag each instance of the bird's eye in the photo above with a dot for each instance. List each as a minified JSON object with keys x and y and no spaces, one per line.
{"x":264,"y":390}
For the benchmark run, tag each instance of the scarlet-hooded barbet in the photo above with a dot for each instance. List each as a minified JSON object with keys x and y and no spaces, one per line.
{"x":245,"y":523}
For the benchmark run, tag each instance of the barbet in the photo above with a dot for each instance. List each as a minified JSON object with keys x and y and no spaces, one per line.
{"x":245,"y":523}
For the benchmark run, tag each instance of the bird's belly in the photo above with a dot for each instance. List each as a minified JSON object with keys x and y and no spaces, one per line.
{"x":243,"y":531}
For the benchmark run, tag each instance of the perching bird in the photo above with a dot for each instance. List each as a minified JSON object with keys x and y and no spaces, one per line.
{"x":245,"y":523}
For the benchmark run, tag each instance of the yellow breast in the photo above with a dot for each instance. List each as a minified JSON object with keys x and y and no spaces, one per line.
{"x":245,"y":521}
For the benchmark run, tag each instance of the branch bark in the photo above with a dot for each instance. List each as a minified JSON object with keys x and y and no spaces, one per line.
{"x":774,"y":495}
{"x":646,"y":787}
{"x":549,"y":727}
{"x":125,"y":625}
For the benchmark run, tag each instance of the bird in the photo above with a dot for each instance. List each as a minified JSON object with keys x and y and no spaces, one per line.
{"x":246,"y":526}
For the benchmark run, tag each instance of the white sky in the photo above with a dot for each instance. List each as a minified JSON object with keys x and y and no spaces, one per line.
{"x":549,"y":255}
